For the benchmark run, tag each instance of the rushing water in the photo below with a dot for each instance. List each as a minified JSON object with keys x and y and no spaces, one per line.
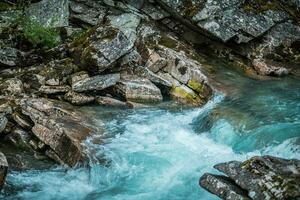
{"x":160,"y":153}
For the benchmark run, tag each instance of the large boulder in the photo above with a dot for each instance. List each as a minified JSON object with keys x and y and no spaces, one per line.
{"x":51,"y":13}
{"x":101,"y":48}
{"x":134,"y":88}
{"x":3,"y":169}
{"x":61,"y":127}
{"x":263,"y":177}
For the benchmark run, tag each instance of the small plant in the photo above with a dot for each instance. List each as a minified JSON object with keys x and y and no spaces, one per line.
{"x":39,"y":35}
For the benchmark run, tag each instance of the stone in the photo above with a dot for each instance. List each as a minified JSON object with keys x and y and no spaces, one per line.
{"x":222,"y":186}
{"x":96,"y":83}
{"x":22,"y":120}
{"x":108,"y":101}
{"x":137,"y":89}
{"x":3,"y":169}
{"x":78,"y":98}
{"x":13,"y":86}
{"x":50,"y":13}
{"x":3,"y":122}
{"x":185,"y":95}
{"x":101,"y":48}
{"x":262,"y":177}
{"x":56,"y":89}
{"x":10,"y":57}
{"x":268,"y":69}
{"x":20,"y":138}
{"x":78,"y":77}
{"x":60,"y":126}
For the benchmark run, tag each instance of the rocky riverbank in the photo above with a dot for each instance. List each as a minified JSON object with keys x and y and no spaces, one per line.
{"x":57,"y":55}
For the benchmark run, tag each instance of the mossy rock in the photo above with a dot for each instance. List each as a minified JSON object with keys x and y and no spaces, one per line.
{"x":185,"y":95}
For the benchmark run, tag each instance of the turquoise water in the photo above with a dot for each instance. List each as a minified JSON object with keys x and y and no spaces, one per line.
{"x":160,"y":153}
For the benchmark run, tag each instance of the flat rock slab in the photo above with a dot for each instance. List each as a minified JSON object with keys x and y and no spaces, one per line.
{"x":137,"y":89}
{"x":99,"y":82}
{"x":60,"y":126}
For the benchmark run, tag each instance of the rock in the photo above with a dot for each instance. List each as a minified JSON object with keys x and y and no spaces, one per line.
{"x":57,"y":72}
{"x":101,"y":48}
{"x":12,"y":86}
{"x":78,"y":77}
{"x":86,"y":13}
{"x":185,"y":95}
{"x":222,"y":186}
{"x":9,"y":57}
{"x":20,"y":138}
{"x":48,"y":89}
{"x":135,"y":105}
{"x":264,"y":177}
{"x":50,"y":13}
{"x":134,"y":88}
{"x":3,"y":122}
{"x":22,"y":120}
{"x":3,"y":169}
{"x":78,"y":98}
{"x":268,"y":69}
{"x":60,"y":126}
{"x":108,"y":101}
{"x":95,"y":83}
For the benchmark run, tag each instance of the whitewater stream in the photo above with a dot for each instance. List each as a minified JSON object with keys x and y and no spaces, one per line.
{"x":161,"y":152}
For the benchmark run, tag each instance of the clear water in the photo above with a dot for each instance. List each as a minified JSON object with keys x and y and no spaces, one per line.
{"x":160,"y":153}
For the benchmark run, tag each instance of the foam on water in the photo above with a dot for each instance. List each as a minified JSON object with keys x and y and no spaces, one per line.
{"x":155,"y":154}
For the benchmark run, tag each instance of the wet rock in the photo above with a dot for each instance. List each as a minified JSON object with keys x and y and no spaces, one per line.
{"x":48,"y":89}
{"x":3,"y":169}
{"x":222,"y":186}
{"x":95,"y":83}
{"x":268,"y":69}
{"x":9,"y":57}
{"x":185,"y":95}
{"x":3,"y":122}
{"x":137,"y":89}
{"x":102,"y":48}
{"x":135,"y":105}
{"x":78,"y":98}
{"x":53,"y":13}
{"x":60,"y":126}
{"x":263,"y":177}
{"x":20,"y":138}
{"x":108,"y":101}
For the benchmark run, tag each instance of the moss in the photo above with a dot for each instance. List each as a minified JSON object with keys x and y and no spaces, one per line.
{"x":190,"y":8}
{"x":186,"y":97}
{"x":6,"y":6}
{"x":196,"y":86}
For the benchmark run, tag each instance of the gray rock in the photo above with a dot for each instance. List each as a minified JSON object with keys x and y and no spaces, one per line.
{"x":22,"y":120}
{"x":95,"y":83}
{"x":108,"y":101}
{"x":102,"y":48}
{"x":10,"y":57}
{"x":268,"y":69}
{"x":20,"y":138}
{"x":137,"y":89}
{"x":3,"y":122}
{"x":78,"y":98}
{"x":222,"y":186}
{"x":51,"y":13}
{"x":12,"y":86}
{"x":60,"y":126}
{"x":78,"y":77}
{"x":263,"y":177}
{"x":48,"y":89}
{"x":3,"y":169}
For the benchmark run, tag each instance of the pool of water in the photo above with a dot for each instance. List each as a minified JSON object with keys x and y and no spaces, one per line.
{"x":160,"y":153}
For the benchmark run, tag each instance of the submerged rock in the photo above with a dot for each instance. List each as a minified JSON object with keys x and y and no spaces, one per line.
{"x":3,"y":169}
{"x":263,"y":177}
{"x":60,"y":126}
